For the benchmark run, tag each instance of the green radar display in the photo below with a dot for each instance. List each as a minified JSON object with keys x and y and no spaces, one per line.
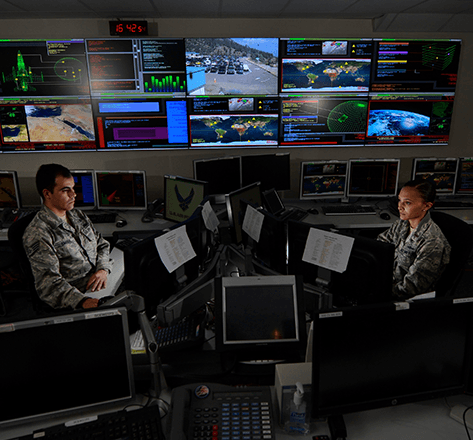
{"x":348,"y":117}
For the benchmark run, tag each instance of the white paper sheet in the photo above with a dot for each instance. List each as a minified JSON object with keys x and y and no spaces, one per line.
{"x":210,"y":218}
{"x":174,"y":248}
{"x":327,"y":249}
{"x":253,"y":222}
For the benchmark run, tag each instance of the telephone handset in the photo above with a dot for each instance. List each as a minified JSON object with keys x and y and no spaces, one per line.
{"x":155,"y":209}
{"x":213,"y":410}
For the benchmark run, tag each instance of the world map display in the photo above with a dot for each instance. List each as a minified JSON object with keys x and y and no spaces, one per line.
{"x":304,"y":75}
{"x":221,"y":130}
{"x":324,"y":185}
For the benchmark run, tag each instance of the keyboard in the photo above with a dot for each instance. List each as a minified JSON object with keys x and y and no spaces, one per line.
{"x":123,"y":243}
{"x":294,"y":214}
{"x":8,"y":216}
{"x":348,"y":209}
{"x":103,"y":217}
{"x":141,"y":424}
{"x":453,"y":204}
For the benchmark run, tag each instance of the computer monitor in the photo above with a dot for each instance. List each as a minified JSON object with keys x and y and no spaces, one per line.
{"x":243,"y":122}
{"x":231,"y":66}
{"x":373,"y":177}
{"x":272,"y":170}
{"x":9,"y":190}
{"x":465,"y":176}
{"x":121,"y":189}
{"x":235,"y":210}
{"x":146,"y":274}
{"x":182,"y":196}
{"x":259,"y":316}
{"x":323,"y":179}
{"x":440,"y":172}
{"x":223,"y":174}
{"x":370,"y":357}
{"x":367,"y":279}
{"x":82,"y":361}
{"x":85,"y":189}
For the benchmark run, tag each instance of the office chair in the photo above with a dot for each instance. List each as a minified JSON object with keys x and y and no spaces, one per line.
{"x":15,"y":238}
{"x":460,"y":236}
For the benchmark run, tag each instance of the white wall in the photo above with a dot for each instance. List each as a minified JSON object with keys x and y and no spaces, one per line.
{"x":158,"y":163}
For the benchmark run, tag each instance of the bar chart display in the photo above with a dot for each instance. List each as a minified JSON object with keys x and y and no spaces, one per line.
{"x":162,"y":83}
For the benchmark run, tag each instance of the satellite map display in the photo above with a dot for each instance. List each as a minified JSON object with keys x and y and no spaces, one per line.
{"x":397,"y":123}
{"x":318,"y":75}
{"x":324,"y":185}
{"x":234,"y":130}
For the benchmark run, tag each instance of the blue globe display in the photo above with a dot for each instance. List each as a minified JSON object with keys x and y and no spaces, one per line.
{"x":397,"y":123}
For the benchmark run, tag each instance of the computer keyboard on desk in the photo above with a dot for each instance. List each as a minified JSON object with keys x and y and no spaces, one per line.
{"x":348,"y":209}
{"x":102,"y":217}
{"x":295,"y":214}
{"x":453,"y":204}
{"x":141,"y":424}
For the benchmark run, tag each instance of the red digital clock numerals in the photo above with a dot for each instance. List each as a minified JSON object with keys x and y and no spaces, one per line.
{"x":129,"y":28}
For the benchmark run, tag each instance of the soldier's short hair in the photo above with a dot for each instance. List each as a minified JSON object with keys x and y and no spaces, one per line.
{"x":46,"y":176}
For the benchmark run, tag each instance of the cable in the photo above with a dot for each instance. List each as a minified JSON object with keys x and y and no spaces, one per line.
{"x":464,"y":421}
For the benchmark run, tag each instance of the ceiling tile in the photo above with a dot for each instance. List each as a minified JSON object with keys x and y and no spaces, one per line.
{"x":188,"y":8}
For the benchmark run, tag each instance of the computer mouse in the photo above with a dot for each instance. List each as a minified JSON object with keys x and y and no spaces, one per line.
{"x":120,"y":223}
{"x":313,"y":211}
{"x":385,"y":216}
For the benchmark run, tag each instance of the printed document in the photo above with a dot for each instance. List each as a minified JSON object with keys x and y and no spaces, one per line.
{"x":174,"y":248}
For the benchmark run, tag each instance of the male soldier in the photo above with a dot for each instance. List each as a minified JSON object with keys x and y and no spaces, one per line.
{"x":67,"y":255}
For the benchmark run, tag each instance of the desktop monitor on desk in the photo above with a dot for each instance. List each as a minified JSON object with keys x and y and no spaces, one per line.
{"x":85,"y":189}
{"x":121,"y":190}
{"x":373,"y":177}
{"x":272,"y":170}
{"x":182,"y":196}
{"x":441,"y":173}
{"x":82,"y":361}
{"x":259,"y":316}
{"x":379,"y":356}
{"x":323,"y":179}
{"x":367,"y":278}
{"x":465,"y":176}
{"x":9,"y":190}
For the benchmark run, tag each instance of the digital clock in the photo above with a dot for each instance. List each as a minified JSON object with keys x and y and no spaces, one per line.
{"x":128,"y":28}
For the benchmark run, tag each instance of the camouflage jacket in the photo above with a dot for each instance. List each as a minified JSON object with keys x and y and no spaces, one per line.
{"x":419,"y":258}
{"x":63,"y":256}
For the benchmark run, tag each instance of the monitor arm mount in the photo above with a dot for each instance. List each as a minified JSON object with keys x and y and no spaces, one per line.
{"x":136,"y":303}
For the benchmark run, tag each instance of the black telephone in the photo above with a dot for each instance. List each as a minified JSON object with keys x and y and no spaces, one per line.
{"x":155,"y":210}
{"x":215,"y":410}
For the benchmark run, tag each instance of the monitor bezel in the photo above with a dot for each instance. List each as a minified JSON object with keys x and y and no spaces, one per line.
{"x":327,"y":196}
{"x":349,"y":193}
{"x":61,"y":319}
{"x":119,"y":208}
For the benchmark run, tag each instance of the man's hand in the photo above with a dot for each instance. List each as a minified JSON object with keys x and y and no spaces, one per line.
{"x":90,"y":303}
{"x":98,"y":280}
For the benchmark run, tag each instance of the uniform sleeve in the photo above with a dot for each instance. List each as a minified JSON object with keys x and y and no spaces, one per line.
{"x":103,"y":249}
{"x":50,"y":285}
{"x":429,"y":264}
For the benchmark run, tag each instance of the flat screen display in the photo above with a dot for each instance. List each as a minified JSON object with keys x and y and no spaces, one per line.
{"x":465,"y":176}
{"x":84,"y":188}
{"x":440,"y":172}
{"x":323,"y":179}
{"x":121,"y":189}
{"x":9,"y":190}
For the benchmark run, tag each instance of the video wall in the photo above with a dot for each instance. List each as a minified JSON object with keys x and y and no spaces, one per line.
{"x":198,"y":93}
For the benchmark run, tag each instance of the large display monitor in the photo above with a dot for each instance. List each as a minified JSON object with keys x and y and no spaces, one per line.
{"x":260,"y":316}
{"x":182,"y":196}
{"x":323,"y":179}
{"x":232,"y":66}
{"x":222,"y":122}
{"x":372,"y":357}
{"x":236,"y":210}
{"x":328,"y":120}
{"x":121,"y":189}
{"x":465,"y":176}
{"x":133,"y":66}
{"x":415,"y":66}
{"x":223,"y":174}
{"x":440,"y":172}
{"x":373,"y":177}
{"x":420,"y":119}
{"x":144,"y":122}
{"x":85,"y":189}
{"x":272,"y":170}
{"x":310,"y":65}
{"x":82,"y":361}
{"x":9,"y":190}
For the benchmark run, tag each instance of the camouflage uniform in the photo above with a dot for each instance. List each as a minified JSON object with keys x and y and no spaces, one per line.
{"x":63,"y":256}
{"x":419,"y":258}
